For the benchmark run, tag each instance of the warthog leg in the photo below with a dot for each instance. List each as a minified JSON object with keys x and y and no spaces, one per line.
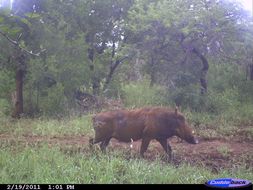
{"x":144,"y":145}
{"x":104,"y":144}
{"x":166,"y":146}
{"x":91,"y":142}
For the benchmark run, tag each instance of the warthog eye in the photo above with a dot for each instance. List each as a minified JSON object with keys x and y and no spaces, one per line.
{"x":98,"y":124}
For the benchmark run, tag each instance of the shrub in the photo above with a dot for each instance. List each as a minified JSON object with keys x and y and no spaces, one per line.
{"x":140,"y":94}
{"x":5,"y":107}
{"x":53,"y":101}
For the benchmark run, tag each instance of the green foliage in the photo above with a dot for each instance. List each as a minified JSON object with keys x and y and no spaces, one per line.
{"x":4,"y":108}
{"x":140,"y":94}
{"x":53,"y":101}
{"x":6,"y":82}
{"x":186,"y":97}
{"x":114,"y":89}
{"x":228,"y":93}
{"x":12,"y":24}
{"x":160,"y":34}
{"x":6,"y":89}
{"x":245,"y":89}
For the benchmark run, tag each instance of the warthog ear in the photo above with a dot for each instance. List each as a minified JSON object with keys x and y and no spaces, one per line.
{"x":176,"y":110}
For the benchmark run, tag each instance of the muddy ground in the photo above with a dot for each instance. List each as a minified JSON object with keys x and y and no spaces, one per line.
{"x":216,"y":154}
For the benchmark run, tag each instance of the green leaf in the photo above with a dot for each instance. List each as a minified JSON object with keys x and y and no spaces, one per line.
{"x":32,"y":15}
{"x":1,"y":19}
{"x":14,"y":31}
{"x":4,"y":28}
{"x":25,"y":21}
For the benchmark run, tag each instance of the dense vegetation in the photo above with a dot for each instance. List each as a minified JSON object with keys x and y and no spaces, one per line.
{"x":62,"y":59}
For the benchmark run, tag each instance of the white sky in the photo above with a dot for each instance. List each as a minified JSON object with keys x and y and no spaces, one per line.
{"x":247,"y":4}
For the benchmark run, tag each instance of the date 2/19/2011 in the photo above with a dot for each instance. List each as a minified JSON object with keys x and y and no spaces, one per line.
{"x":39,"y":187}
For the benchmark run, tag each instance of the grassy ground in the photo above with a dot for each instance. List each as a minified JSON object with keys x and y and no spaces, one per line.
{"x":42,"y":126}
{"x":52,"y":163}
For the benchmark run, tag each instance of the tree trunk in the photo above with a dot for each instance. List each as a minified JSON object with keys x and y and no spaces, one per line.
{"x":113,"y":66}
{"x":18,"y":110}
{"x":203,"y":82}
{"x":95,"y":80}
{"x":20,"y":70}
{"x":109,"y":76}
{"x":112,"y":71}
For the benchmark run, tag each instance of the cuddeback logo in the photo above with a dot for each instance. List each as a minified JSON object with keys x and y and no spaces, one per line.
{"x":228,"y":183}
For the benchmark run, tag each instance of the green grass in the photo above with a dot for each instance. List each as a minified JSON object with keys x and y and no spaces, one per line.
{"x":224,"y":151}
{"x":225,"y":126}
{"x":52,"y":165}
{"x":42,"y":126}
{"x":206,"y":125}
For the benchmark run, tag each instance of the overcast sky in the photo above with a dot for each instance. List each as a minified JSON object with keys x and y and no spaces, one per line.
{"x":247,"y":4}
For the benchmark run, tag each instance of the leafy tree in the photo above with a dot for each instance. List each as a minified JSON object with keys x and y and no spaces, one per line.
{"x":180,"y":33}
{"x":16,"y":29}
{"x":56,"y":48}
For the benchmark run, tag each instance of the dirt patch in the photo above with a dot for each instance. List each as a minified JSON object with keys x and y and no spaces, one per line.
{"x":215,"y":154}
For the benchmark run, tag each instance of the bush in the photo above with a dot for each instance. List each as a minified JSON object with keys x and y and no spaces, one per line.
{"x":7,"y":83}
{"x":246,"y":90}
{"x":114,"y":89}
{"x":187,"y":97}
{"x":213,"y":102}
{"x":5,"y":107}
{"x":53,"y":101}
{"x":227,"y":92}
{"x":142,"y":94}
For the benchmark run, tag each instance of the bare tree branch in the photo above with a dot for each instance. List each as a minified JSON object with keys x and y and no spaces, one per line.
{"x":17,"y":45}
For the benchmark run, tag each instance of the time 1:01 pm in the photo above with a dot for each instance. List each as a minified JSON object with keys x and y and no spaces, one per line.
{"x":60,"y":187}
